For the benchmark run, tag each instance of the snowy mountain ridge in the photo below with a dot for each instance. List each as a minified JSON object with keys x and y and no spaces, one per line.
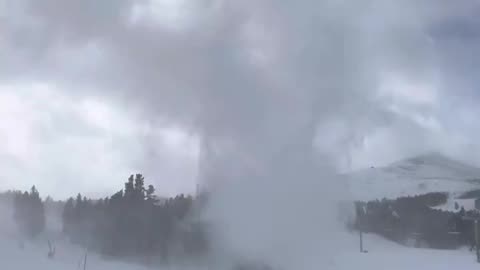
{"x":430,"y":172}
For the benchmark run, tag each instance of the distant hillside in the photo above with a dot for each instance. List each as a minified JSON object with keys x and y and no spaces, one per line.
{"x":431,"y":172}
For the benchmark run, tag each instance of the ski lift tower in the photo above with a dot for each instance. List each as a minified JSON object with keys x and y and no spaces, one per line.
{"x":361,"y":213}
{"x":475,"y":229}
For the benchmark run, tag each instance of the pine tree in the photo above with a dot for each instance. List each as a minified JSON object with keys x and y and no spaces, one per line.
{"x":29,"y":212}
{"x":68,"y":216}
{"x":78,"y":201}
{"x":150,"y":194}
{"x":139,"y":187}
{"x":129,"y":188}
{"x":37,"y":213}
{"x":131,"y":222}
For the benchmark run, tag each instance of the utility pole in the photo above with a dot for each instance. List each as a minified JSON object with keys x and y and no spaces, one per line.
{"x":477,"y":250}
{"x":361,"y":241}
{"x":476,"y":234}
{"x":361,"y":213}
{"x":85,"y":261}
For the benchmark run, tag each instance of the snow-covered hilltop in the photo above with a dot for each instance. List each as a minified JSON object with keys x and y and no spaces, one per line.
{"x":431,"y":172}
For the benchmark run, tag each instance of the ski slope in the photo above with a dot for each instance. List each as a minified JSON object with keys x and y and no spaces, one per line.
{"x":467,"y":204}
{"x":34,"y":256}
{"x":382,"y":255}
{"x":386,"y":255}
{"x":419,"y":175}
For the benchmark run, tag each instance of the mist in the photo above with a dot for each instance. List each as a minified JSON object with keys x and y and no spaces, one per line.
{"x":6,"y":214}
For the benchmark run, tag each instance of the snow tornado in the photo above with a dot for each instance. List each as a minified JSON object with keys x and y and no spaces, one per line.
{"x":275,"y":194}
{"x":259,"y":82}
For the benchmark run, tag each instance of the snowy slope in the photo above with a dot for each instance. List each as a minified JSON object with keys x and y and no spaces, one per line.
{"x":34,"y":254}
{"x":467,"y":204}
{"x":427,"y":173}
{"x":383,"y":254}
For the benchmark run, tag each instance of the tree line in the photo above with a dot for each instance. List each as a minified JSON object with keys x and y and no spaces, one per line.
{"x":29,"y":212}
{"x":134,"y":223}
{"x":414,"y":219}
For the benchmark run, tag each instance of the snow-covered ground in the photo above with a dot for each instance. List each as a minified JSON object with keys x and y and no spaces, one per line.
{"x":386,"y":255}
{"x":34,"y":256}
{"x":382,"y":255}
{"x":414,"y":176}
{"x":467,"y":204}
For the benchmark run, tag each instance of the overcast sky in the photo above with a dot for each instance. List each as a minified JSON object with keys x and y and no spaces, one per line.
{"x":92,"y":91}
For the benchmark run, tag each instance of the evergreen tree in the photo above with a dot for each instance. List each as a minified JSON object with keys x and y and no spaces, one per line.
{"x":150,"y":194}
{"x":29,"y":212}
{"x":131,"y":222}
{"x":68,"y":216}
{"x":129,"y":188}
{"x":139,"y":188}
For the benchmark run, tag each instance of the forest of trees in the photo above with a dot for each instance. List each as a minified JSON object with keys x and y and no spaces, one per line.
{"x":29,"y":212}
{"x":408,"y":218}
{"x":134,"y":223}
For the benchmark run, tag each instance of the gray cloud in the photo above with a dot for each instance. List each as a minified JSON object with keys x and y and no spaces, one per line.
{"x":248,"y":69}
{"x":254,"y":72}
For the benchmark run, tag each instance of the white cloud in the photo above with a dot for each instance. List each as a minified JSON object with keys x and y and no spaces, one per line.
{"x":170,"y":14}
{"x":404,"y":90}
{"x":68,"y":144}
